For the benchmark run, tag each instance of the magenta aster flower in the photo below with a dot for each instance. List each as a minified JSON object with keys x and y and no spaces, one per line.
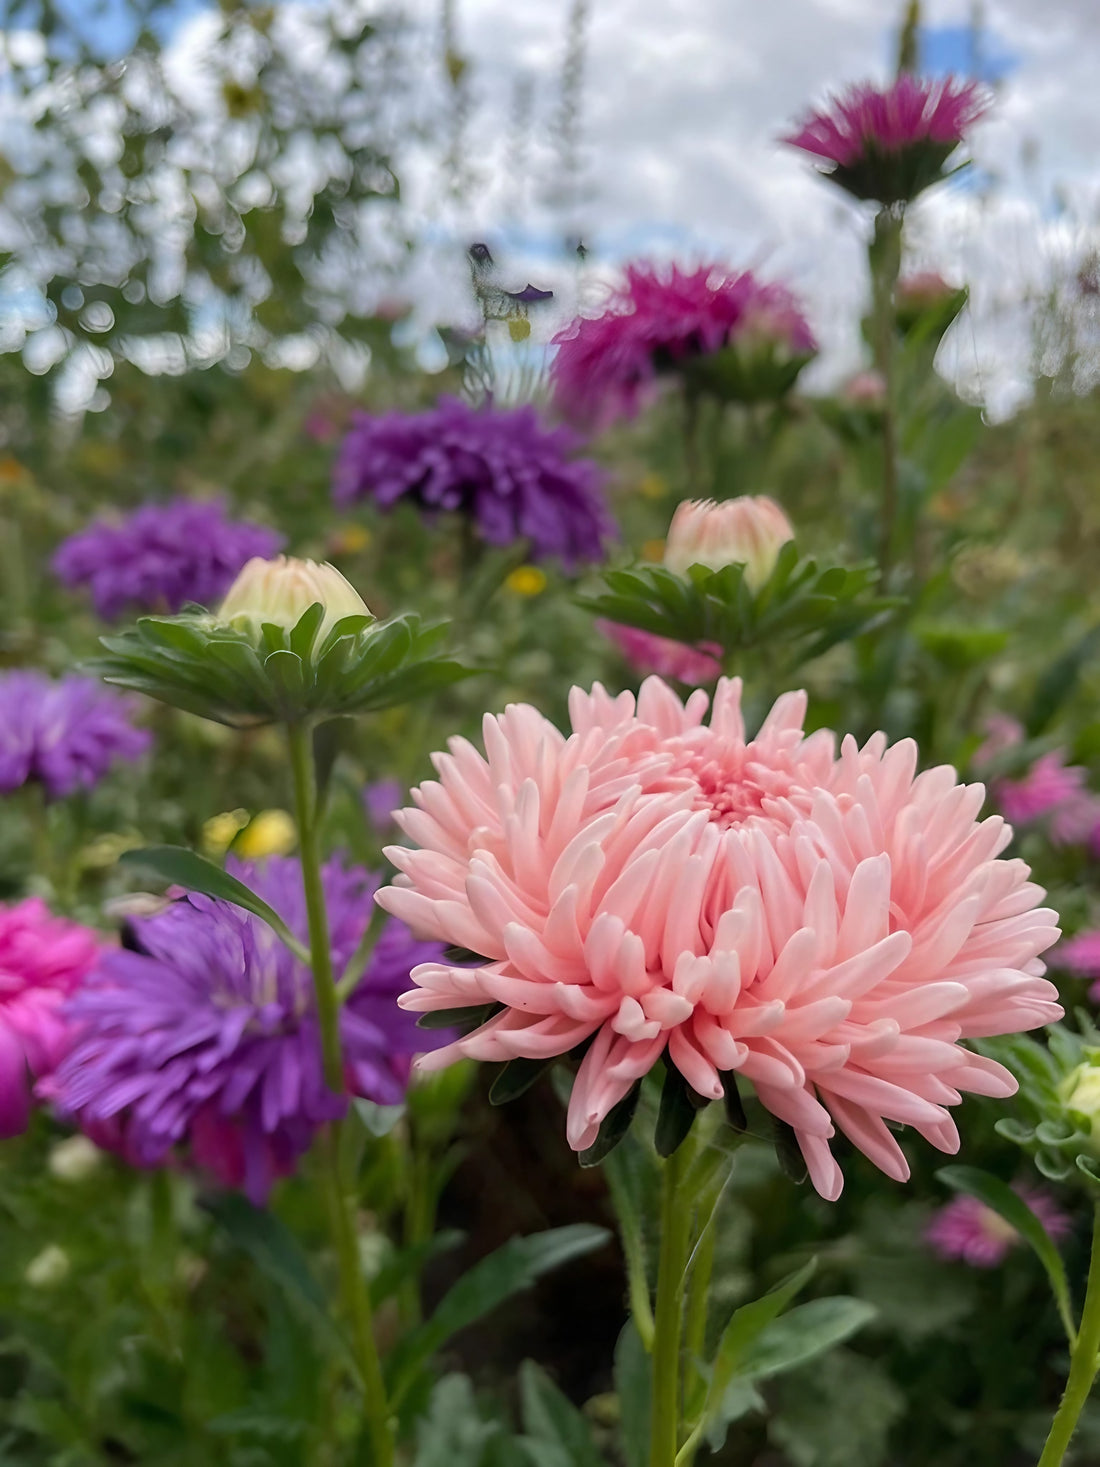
{"x":161,"y":556}
{"x":205,"y":1036}
{"x":826,"y":926}
{"x":966,"y":1230}
{"x":1054,"y":791}
{"x":1080,"y":955}
{"x":63,"y":735}
{"x":661,"y":321}
{"x":649,"y":653}
{"x":514,"y":477}
{"x":43,"y":959}
{"x":890,"y":143}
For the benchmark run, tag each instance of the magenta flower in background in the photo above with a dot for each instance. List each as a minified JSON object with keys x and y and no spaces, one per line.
{"x":964,"y":1229}
{"x":43,"y":959}
{"x":162,"y":556}
{"x":1054,"y":791}
{"x":1080,"y":955}
{"x":890,"y":143}
{"x":826,"y":924}
{"x":515,"y":478}
{"x":665,"y":320}
{"x":649,"y":653}
{"x":64,"y":735}
{"x":205,"y":1035}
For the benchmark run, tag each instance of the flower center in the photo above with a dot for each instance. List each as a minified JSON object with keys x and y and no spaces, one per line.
{"x":731,"y":784}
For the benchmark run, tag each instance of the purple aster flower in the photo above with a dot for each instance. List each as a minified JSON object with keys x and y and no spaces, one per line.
{"x":967,"y":1230}
{"x":380,"y":800}
{"x":63,"y":735}
{"x":162,"y":556}
{"x":516,"y":478}
{"x":890,"y":143}
{"x":661,"y":321}
{"x":205,"y":1035}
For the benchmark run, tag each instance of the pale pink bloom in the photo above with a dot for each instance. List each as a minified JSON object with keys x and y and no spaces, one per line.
{"x":750,"y":530}
{"x":826,"y":927}
{"x":648,"y":652}
{"x":967,"y":1230}
{"x":43,"y":959}
{"x":1001,"y":734}
{"x":868,"y":389}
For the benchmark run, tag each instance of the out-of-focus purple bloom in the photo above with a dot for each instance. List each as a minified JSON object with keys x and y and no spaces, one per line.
{"x":43,"y":959}
{"x":380,"y":800}
{"x":660,"y":321}
{"x":515,"y":478}
{"x":63,"y":735}
{"x":206,"y":1036}
{"x":966,"y":1230}
{"x":649,"y":653}
{"x":162,"y":556}
{"x":889,"y":143}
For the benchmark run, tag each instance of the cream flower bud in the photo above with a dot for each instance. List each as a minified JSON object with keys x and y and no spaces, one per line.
{"x":279,"y":591}
{"x":747,"y":530}
{"x":1080,"y":1091}
{"x":48,"y":1269}
{"x":74,"y":1159}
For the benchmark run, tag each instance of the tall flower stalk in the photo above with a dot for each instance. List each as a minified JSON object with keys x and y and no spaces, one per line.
{"x":884,"y":254}
{"x":341,"y":1203}
{"x":1084,"y":1362}
{"x":676,"y":1240}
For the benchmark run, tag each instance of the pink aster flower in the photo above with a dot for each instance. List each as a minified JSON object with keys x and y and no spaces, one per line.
{"x":648,"y":653}
{"x":967,"y":1230}
{"x":1052,"y":790}
{"x":890,"y":143}
{"x":43,"y":959}
{"x":660,"y":321}
{"x":828,"y":927}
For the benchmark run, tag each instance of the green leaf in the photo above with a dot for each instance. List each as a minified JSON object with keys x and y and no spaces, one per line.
{"x":408,"y":1263}
{"x":516,"y":1266}
{"x":806,"y":1331}
{"x":379,"y":1120}
{"x":745,"y":1327}
{"x":679,"y":1107}
{"x":516,"y":1077}
{"x":462,"y":1019}
{"x":550,"y":1417}
{"x":451,"y":1433}
{"x":1005,"y":1203}
{"x":634,"y":1388}
{"x":304,"y":632}
{"x":180,"y":867}
{"x":277,"y":1254}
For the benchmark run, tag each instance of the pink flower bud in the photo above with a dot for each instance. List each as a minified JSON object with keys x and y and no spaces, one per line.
{"x":750,"y":531}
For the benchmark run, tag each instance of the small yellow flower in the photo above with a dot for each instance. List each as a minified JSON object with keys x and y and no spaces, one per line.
{"x":653,"y":486}
{"x":220,"y":831}
{"x":271,"y":833}
{"x":349,"y":539}
{"x":105,"y":850}
{"x":653,"y":550}
{"x":527,"y":580}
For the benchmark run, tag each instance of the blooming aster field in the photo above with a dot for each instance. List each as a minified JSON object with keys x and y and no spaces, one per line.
{"x":549,"y":909}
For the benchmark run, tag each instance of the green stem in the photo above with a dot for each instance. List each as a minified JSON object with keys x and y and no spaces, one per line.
{"x":353,"y":1289}
{"x":676,"y":1229}
{"x":356,"y":1301}
{"x":419,"y":1215}
{"x":1083,"y":1362}
{"x":324,"y":984}
{"x":885,"y":258}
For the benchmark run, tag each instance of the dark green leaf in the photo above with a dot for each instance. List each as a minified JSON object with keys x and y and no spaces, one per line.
{"x":515,"y":1078}
{"x":614,"y":1128}
{"x":550,"y":1417}
{"x":679,"y":1107}
{"x":808,"y":1330}
{"x":634,"y":1388}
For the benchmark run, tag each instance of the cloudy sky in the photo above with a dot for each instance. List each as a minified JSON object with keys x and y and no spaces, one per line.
{"x":681,"y":107}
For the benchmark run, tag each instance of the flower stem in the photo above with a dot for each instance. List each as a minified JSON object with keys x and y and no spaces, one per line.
{"x":676,"y":1227}
{"x":356,"y":1301}
{"x":1083,"y":1362}
{"x":324,"y":984}
{"x":885,"y":260}
{"x":353,"y":1288}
